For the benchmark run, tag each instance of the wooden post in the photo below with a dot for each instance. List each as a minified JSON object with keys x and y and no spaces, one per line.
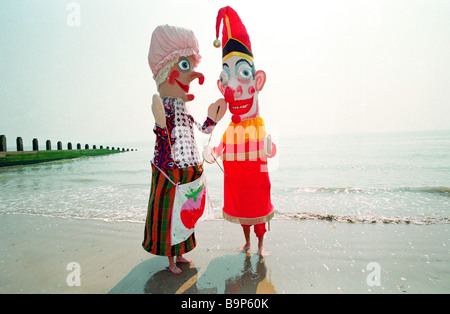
{"x":69,"y":146}
{"x":2,"y":143}
{"x":35,"y":144}
{"x":19,"y":143}
{"x":48,"y":145}
{"x":59,"y":145}
{"x":86,"y":146}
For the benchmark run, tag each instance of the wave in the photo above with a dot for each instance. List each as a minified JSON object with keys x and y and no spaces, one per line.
{"x":363,"y":219}
{"x":441,"y":190}
{"x":351,"y":219}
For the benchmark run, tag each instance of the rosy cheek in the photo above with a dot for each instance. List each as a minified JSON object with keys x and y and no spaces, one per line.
{"x":173,"y":75}
{"x":251,"y":90}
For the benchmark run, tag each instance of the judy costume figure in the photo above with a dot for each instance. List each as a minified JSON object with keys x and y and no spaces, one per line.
{"x":245,"y":146}
{"x":173,"y":54}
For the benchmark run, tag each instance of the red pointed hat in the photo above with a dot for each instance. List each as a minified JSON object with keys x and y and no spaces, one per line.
{"x":235,"y":39}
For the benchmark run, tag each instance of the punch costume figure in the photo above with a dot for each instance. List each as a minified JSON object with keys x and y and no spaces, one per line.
{"x":245,"y":145}
{"x":174,"y":52}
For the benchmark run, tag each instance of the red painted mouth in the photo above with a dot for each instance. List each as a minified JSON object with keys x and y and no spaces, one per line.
{"x":185,"y":88}
{"x":240,"y":107}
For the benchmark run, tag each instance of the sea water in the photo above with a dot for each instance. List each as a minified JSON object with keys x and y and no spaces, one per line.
{"x":358,"y":178}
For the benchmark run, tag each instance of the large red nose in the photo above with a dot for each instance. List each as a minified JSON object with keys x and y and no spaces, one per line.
{"x":201,"y":77}
{"x":229,"y":95}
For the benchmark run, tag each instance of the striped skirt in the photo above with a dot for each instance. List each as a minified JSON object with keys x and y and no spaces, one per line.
{"x":157,"y":233}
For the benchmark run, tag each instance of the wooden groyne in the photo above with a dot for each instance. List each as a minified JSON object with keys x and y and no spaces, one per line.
{"x":21,"y":157}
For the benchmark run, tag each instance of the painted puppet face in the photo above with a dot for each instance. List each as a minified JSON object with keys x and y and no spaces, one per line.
{"x":240,"y":84}
{"x":180,"y":77}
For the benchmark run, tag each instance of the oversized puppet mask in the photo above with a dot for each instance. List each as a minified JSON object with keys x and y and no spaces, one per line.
{"x":239,"y":82}
{"x":173,"y":54}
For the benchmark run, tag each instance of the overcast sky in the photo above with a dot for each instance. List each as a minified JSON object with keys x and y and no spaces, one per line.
{"x":332,"y":66}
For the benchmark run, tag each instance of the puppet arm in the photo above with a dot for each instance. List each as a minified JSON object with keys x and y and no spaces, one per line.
{"x":158,"y":111}
{"x":270,"y":149}
{"x":207,"y":127}
{"x":216,"y":111}
{"x":160,"y":129}
{"x":211,"y":154}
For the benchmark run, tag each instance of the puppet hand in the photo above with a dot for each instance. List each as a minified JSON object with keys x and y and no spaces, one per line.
{"x":269,"y":148}
{"x":158,"y":111}
{"x":217,"y":110}
{"x":209,"y":155}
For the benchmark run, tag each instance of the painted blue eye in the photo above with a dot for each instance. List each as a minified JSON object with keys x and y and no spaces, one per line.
{"x":224,"y":78}
{"x":244,"y":71}
{"x":245,"y":74}
{"x":184,"y":65}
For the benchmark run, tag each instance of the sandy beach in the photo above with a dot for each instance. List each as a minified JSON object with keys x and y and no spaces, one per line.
{"x":304,"y":257}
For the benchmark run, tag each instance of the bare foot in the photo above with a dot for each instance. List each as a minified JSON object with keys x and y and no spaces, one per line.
{"x":262,"y":252}
{"x":245,"y":247}
{"x":181,"y":259}
{"x":175,"y":270}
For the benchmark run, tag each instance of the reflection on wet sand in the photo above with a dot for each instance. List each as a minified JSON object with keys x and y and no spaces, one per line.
{"x":230,"y":274}
{"x":165,"y":282}
{"x":242,"y":273}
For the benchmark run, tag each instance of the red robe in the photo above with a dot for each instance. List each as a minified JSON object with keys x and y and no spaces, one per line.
{"x":246,"y":181}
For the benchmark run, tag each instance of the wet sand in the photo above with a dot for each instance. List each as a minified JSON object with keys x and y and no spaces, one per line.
{"x":304,"y":257}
